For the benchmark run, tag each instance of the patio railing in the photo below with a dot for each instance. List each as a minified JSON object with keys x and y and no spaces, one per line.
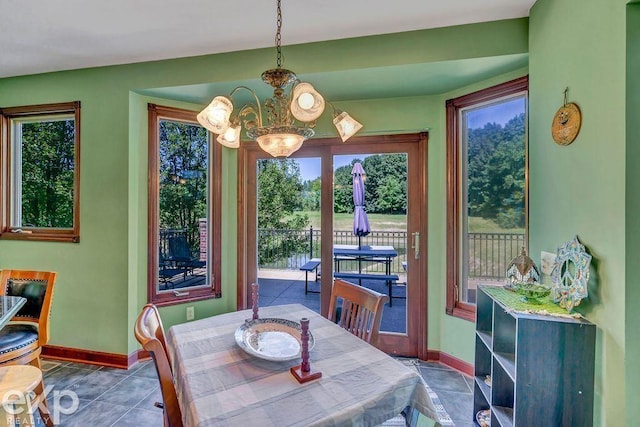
{"x":489,"y":253}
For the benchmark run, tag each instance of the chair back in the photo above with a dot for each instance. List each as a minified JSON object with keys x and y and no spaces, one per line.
{"x":179,"y":249}
{"x":37,"y":288}
{"x":150,"y":333}
{"x":361,"y":310}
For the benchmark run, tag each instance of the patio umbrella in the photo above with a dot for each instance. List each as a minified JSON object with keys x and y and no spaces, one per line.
{"x":360,"y":220}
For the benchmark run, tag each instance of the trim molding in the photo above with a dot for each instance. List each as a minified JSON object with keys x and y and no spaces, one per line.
{"x":450,"y":361}
{"x":91,"y":357}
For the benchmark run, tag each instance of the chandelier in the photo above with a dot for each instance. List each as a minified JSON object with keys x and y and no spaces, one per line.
{"x":289,"y":120}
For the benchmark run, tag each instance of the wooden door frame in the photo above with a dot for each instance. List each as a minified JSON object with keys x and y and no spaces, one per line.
{"x":326,"y":148}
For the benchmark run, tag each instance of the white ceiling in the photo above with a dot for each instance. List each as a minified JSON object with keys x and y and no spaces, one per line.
{"x":39,"y":36}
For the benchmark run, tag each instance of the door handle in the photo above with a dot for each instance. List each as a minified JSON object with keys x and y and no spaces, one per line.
{"x":416,"y":244}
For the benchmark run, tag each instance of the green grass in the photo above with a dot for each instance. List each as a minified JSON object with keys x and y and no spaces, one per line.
{"x":482,"y":225}
{"x":382,"y":222}
{"x":377,"y":222}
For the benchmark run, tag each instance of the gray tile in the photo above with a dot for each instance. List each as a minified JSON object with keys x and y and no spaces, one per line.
{"x":96,"y":414}
{"x":64,"y":412}
{"x":439,"y":379}
{"x":49,"y":365}
{"x":64,"y":377}
{"x":129,"y":392}
{"x":148,"y":370}
{"x":79,"y":365}
{"x":458,"y":405}
{"x":139,"y":365}
{"x":140,"y":417}
{"x":119,"y":371}
{"x":96,"y":383}
{"x":149,"y":401}
{"x":435,"y":365}
{"x":469,"y":380}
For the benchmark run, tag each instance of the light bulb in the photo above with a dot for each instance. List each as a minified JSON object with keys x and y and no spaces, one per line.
{"x":230,"y":134}
{"x":306,"y":101}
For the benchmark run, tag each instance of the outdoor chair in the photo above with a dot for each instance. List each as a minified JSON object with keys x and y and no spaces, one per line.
{"x":150,"y":334}
{"x":22,"y":339}
{"x":360,"y":312}
{"x":166,"y":270}
{"x":180,"y":255}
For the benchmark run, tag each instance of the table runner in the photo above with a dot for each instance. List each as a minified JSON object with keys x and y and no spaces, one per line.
{"x":219,"y":384}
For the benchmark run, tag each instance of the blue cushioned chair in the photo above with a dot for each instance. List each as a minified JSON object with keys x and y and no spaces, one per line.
{"x":21,"y":343}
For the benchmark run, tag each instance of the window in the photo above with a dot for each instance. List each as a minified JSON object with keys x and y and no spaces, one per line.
{"x":486,"y":189}
{"x":41,"y":160}
{"x":184,"y":208}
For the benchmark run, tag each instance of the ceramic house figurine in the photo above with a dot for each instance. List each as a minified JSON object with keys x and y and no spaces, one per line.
{"x":522,"y":269}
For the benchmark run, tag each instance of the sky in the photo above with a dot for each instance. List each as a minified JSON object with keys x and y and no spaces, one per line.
{"x":498,"y":113}
{"x":310,"y":167}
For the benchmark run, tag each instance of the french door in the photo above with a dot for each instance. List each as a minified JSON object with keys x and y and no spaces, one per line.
{"x":397,"y":206}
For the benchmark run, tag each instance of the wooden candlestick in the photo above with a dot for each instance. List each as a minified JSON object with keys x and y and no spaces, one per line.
{"x":302,"y":372}
{"x":254,"y":300}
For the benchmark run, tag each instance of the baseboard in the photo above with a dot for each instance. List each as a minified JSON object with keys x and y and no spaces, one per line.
{"x":91,"y":357}
{"x":450,"y":361}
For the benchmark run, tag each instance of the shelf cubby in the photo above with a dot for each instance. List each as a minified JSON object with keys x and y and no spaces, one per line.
{"x":541,"y":366}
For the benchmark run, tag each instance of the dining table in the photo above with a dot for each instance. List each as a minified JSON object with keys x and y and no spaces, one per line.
{"x":9,"y":307}
{"x":384,"y":254}
{"x":220,"y":384}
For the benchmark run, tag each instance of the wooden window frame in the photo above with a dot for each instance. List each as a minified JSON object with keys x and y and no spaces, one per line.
{"x":454,"y":306}
{"x":7,"y":231}
{"x":214,"y":290}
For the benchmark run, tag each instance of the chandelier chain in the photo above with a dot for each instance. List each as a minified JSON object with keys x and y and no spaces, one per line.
{"x":278,"y":37}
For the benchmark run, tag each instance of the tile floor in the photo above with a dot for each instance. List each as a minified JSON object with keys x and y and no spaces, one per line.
{"x":116,"y":397}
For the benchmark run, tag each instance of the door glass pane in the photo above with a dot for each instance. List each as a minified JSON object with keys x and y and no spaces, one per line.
{"x":494,"y":216}
{"x":288,"y":193}
{"x":183,"y":206}
{"x":381,"y":260}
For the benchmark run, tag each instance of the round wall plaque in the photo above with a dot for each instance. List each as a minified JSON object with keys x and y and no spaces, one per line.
{"x":566,"y":124}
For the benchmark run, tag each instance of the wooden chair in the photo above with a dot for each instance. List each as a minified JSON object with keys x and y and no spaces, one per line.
{"x":17,"y":382}
{"x":361,"y":310}
{"x":21,"y":340}
{"x":150,"y":333}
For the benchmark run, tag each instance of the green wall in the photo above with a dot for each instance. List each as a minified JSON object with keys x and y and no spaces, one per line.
{"x":632,"y":196}
{"x":580,"y":189}
{"x":102,"y":280}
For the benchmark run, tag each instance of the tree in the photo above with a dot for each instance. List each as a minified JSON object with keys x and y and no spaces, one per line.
{"x":183,"y":178}
{"x":279,"y":197}
{"x":496,"y":172}
{"x":390,"y":196}
{"x":48,"y":165}
{"x":343,"y":189}
{"x":386,"y":183}
{"x":311,"y":195}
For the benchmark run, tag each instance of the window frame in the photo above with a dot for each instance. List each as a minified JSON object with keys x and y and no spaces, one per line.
{"x":7,"y":231}
{"x":454,"y":306}
{"x":214,"y":290}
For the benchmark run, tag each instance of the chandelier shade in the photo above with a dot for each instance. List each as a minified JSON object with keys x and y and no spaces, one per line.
{"x":215,"y":117}
{"x":231,"y":137}
{"x":289,"y":118}
{"x":346,"y":125}
{"x":306,"y":103}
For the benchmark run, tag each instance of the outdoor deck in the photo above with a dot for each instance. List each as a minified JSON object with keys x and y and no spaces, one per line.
{"x":280,"y":287}
{"x":287,"y":287}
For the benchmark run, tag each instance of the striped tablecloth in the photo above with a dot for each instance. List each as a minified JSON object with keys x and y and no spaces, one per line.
{"x":218,"y":384}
